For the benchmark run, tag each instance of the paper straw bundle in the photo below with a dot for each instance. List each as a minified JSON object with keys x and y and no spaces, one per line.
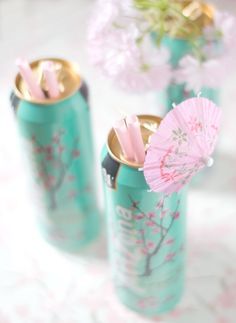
{"x":129,"y":136}
{"x":33,"y":86}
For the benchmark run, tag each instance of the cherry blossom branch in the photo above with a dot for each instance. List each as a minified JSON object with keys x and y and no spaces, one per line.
{"x":145,"y":215}
{"x":143,"y":239}
{"x":174,"y":253}
{"x":148,"y":270}
{"x":64,"y":167}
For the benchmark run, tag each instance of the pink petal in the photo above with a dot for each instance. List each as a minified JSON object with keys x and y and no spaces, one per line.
{"x":170,"y":256}
{"x":169,"y":241}
{"x":150,"y":224}
{"x":139,"y":216}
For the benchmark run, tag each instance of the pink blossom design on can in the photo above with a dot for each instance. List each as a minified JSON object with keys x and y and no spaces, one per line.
{"x":53,"y":165}
{"x":170,"y":256}
{"x":169,"y":241}
{"x":75,"y":153}
{"x":139,"y":217}
{"x":149,"y":246}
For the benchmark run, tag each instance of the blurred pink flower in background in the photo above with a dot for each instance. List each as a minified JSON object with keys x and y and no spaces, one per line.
{"x":115,"y":48}
{"x":120,"y":46}
{"x":225,"y":23}
{"x":151,"y":71}
{"x":196,"y":74}
{"x":218,"y":56}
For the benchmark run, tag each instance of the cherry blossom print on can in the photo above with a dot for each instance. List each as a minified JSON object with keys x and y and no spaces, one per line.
{"x":146,"y":237}
{"x":59,"y":146}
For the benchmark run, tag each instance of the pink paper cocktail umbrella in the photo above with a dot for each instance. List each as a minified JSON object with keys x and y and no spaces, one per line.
{"x":182,"y":145}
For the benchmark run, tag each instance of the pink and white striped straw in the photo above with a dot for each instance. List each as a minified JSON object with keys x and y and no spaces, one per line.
{"x":51,"y":79}
{"x":29,"y":78}
{"x":124,"y":139}
{"x":136,"y":139}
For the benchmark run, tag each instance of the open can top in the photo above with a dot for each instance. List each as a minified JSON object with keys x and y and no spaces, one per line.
{"x":148,"y":125}
{"x":197,"y":15}
{"x":67,"y":75}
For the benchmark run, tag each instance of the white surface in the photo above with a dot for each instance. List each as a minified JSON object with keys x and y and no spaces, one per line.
{"x":39,"y":284}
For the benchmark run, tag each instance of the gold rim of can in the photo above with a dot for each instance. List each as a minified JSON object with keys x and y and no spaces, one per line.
{"x":68,"y":78}
{"x":148,"y":124}
{"x":197,"y":12}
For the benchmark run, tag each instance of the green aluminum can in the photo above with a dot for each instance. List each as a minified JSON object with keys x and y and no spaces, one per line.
{"x":146,"y":232}
{"x":58,"y":141}
{"x":200,"y":15}
{"x":176,"y":93}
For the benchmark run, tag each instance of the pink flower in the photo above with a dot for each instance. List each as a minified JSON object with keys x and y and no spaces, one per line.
{"x":139,"y":242}
{"x":100,"y":23}
{"x":141,"y":304}
{"x":114,"y":49}
{"x":147,"y":302}
{"x":150,"y":245}
{"x":196,"y":74}
{"x":163,"y":214}
{"x":48,"y":149}
{"x":169,"y":241}
{"x":75,"y":153}
{"x":61,"y":149}
{"x":150,"y":224}
{"x":41,"y":173}
{"x":49,"y":157}
{"x":176,"y":215}
{"x":195,"y":125}
{"x":148,"y":71}
{"x":219,"y":57}
{"x":115,"y":52}
{"x":38,"y":150}
{"x":156,"y":230}
{"x":49,"y":181}
{"x":225,"y":26}
{"x":170,"y":256}
{"x":220,"y":38}
{"x":139,"y":216}
{"x":151,"y":215}
{"x":144,"y":251}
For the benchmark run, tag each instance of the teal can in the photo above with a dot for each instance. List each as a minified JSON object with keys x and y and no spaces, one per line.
{"x":181,"y":40}
{"x":146,"y":230}
{"x":58,"y":142}
{"x":176,"y":93}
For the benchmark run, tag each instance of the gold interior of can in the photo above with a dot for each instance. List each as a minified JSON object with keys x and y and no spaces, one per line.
{"x":148,"y":125}
{"x":68,"y":78}
{"x":199,"y":15}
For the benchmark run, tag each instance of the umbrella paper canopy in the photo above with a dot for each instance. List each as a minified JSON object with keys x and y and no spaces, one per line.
{"x":182,"y":145}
